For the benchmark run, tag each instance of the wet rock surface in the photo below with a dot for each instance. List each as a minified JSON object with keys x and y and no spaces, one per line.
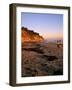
{"x":40,"y":59}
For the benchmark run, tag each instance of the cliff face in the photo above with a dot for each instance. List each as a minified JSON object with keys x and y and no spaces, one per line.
{"x":30,"y":36}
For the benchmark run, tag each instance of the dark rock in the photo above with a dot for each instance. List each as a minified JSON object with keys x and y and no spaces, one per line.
{"x":50,"y":58}
{"x":58,"y":72}
{"x":33,"y":49}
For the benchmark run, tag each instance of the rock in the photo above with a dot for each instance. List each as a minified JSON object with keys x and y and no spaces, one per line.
{"x":30,"y":36}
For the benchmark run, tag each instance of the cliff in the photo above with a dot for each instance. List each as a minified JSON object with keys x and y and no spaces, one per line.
{"x":30,"y":36}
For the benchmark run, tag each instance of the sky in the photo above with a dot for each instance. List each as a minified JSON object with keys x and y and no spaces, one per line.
{"x":50,"y":26}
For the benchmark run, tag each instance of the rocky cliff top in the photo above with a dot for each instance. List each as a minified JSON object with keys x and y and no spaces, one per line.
{"x":30,"y":35}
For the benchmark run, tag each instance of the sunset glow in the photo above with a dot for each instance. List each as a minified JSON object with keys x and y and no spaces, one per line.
{"x":52,"y":36}
{"x":50,"y":26}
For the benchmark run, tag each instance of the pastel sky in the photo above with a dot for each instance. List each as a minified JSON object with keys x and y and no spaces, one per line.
{"x":50,"y":26}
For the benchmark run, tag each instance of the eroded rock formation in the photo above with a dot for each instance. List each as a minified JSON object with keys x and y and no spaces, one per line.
{"x":30,"y":36}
